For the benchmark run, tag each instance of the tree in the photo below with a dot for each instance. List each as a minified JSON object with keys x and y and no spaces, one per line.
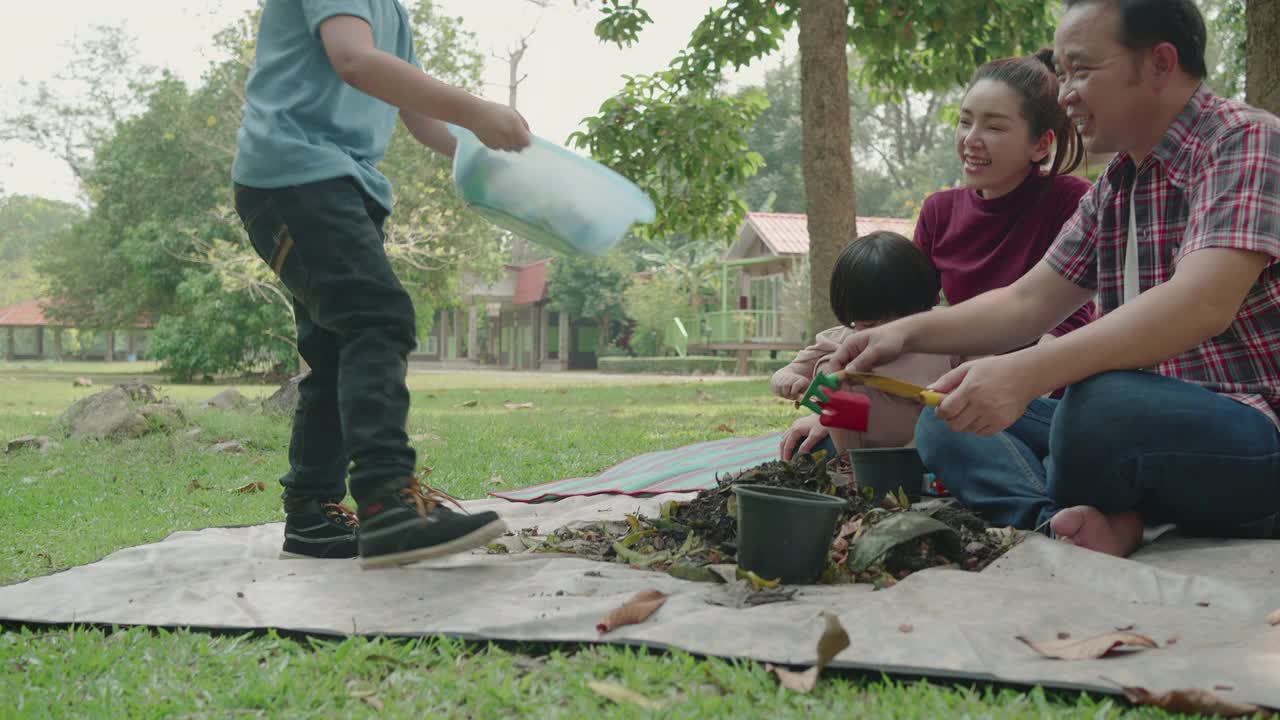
{"x":1263,"y":46}
{"x":590,"y":287}
{"x":905,"y":45}
{"x":27,"y":226}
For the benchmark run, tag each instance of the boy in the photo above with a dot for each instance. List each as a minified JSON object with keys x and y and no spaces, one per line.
{"x":321,"y":102}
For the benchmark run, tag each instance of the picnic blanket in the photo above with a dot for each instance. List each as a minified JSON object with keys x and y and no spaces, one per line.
{"x":1205,"y":603}
{"x":682,"y":470}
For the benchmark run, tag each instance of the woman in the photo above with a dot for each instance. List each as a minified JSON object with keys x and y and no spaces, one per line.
{"x":1018,"y":148}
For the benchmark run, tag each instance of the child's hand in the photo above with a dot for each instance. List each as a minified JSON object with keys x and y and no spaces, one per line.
{"x":803,"y":434}
{"x":499,"y":127}
{"x":790,"y":385}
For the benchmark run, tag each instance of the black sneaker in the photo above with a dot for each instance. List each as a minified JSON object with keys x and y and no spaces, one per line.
{"x":316,"y":529}
{"x":408,"y":524}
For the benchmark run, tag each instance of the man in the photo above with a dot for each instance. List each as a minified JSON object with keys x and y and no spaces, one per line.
{"x":1171,"y":409}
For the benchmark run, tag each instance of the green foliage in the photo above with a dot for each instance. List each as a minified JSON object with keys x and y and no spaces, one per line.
{"x":589,"y":287}
{"x":206,"y":336}
{"x":652,"y":303}
{"x":1228,"y":46}
{"x":27,"y":226}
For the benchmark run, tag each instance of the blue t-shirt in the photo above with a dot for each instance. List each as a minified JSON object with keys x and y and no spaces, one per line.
{"x":301,"y":122}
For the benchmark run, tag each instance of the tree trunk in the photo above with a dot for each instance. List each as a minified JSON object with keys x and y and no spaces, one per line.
{"x":1262,"y":65}
{"x":828,"y":157}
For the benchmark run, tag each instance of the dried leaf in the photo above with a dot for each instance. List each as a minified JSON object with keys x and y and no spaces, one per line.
{"x":702,"y":395}
{"x":1274,"y":618}
{"x":253,"y":487}
{"x":195,"y":485}
{"x":636,"y":610}
{"x":906,"y":628}
{"x":831,"y":643}
{"x":1064,"y":636}
{"x":1203,"y":603}
{"x":518,"y":406}
{"x":1090,"y":648}
{"x":497,"y":480}
{"x":725,"y":428}
{"x":757,"y":582}
{"x":469,"y":403}
{"x":1194,"y":701}
{"x":229,"y":446}
{"x":623,"y":696}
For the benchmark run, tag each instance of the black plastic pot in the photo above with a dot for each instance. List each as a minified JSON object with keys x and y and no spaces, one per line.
{"x":784,"y":533}
{"x":886,"y":470}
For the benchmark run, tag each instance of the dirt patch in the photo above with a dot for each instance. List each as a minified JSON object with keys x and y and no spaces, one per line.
{"x":879,"y":542}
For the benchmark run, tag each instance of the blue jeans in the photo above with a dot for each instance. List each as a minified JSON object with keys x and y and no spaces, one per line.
{"x":1119,"y":441}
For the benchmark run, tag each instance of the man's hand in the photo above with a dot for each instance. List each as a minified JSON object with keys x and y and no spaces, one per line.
{"x":986,"y":396}
{"x":498,"y":126}
{"x":865,"y":351}
{"x":804,"y":433}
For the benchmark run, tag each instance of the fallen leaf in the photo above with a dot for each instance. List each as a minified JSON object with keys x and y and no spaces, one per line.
{"x":231,"y":446}
{"x":636,"y":610}
{"x":497,"y":480}
{"x":253,"y":487}
{"x":725,"y":428}
{"x":833,"y":640}
{"x":702,"y":395}
{"x":757,"y":582}
{"x":1274,"y":618}
{"x":469,"y":403}
{"x":518,"y":406}
{"x":1203,"y":603}
{"x":623,"y":696}
{"x":1064,"y":636}
{"x":1125,"y":628}
{"x":1089,"y":648}
{"x":1194,"y":701}
{"x":425,"y":437}
{"x":82,"y":382}
{"x":1172,"y":641}
{"x":195,"y":485}
{"x":55,"y":472}
{"x":368,"y":697}
{"x":1221,"y":686}
{"x":906,"y":628}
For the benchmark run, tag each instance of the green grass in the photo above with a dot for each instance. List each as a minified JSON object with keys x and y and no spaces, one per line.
{"x":85,"y":499}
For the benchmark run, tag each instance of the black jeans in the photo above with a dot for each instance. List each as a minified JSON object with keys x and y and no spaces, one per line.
{"x":356,"y":327}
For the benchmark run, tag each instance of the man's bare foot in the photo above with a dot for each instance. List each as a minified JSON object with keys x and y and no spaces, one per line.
{"x":1089,"y":528}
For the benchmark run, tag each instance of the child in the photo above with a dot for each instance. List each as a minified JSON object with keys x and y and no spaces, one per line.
{"x":878,"y":277}
{"x":328,"y":82}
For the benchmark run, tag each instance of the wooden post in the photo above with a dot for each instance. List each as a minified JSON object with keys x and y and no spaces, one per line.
{"x":40,"y":342}
{"x":11,"y":347}
{"x":57,"y":343}
{"x":444,"y":333}
{"x":564,"y":340}
{"x":544,"y":334}
{"x":515,"y":339}
{"x":111,"y":346}
{"x":472,"y":328}
{"x":132,"y":339}
{"x":743,"y":364}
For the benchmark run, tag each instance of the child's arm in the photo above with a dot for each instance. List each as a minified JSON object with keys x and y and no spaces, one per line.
{"x":348,"y":41}
{"x":430,"y":132}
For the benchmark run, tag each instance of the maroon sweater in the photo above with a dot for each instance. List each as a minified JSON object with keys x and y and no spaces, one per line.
{"x":980,"y":245}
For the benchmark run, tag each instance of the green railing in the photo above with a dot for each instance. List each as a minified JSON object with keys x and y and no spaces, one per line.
{"x":740,"y":326}
{"x":678,"y":337}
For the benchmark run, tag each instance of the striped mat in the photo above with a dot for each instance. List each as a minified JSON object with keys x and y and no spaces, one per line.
{"x":687,"y":469}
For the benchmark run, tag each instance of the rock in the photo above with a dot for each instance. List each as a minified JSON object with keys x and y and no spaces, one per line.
{"x":285,"y":399}
{"x":82,"y":382}
{"x":129,"y":410}
{"x":229,"y":399}
{"x":40,"y":442}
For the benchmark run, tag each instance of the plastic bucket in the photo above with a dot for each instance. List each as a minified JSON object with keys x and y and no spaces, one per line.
{"x":548,"y":194}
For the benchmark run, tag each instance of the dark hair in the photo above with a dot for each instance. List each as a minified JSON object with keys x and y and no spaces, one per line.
{"x":1034,"y":79}
{"x":882,"y":276}
{"x":1147,"y":23}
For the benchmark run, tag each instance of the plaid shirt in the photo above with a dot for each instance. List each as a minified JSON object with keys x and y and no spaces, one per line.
{"x":1213,"y":181}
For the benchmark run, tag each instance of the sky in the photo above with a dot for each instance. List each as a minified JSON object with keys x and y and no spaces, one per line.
{"x":570,"y":73}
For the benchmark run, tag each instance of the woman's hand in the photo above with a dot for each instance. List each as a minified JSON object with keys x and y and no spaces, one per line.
{"x":805,"y":432}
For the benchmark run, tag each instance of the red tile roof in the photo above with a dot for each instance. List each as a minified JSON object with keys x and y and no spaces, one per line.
{"x":788,"y":233}
{"x":531,"y":283}
{"x":24,"y":314}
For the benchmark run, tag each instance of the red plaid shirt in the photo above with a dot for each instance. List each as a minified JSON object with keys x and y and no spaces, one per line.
{"x":1213,"y":181}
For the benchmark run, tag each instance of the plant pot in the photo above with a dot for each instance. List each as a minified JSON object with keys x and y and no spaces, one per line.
{"x":887,"y":470}
{"x":784,"y":533}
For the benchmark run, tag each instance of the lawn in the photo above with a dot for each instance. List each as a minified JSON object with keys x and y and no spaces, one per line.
{"x":83,"y":500}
